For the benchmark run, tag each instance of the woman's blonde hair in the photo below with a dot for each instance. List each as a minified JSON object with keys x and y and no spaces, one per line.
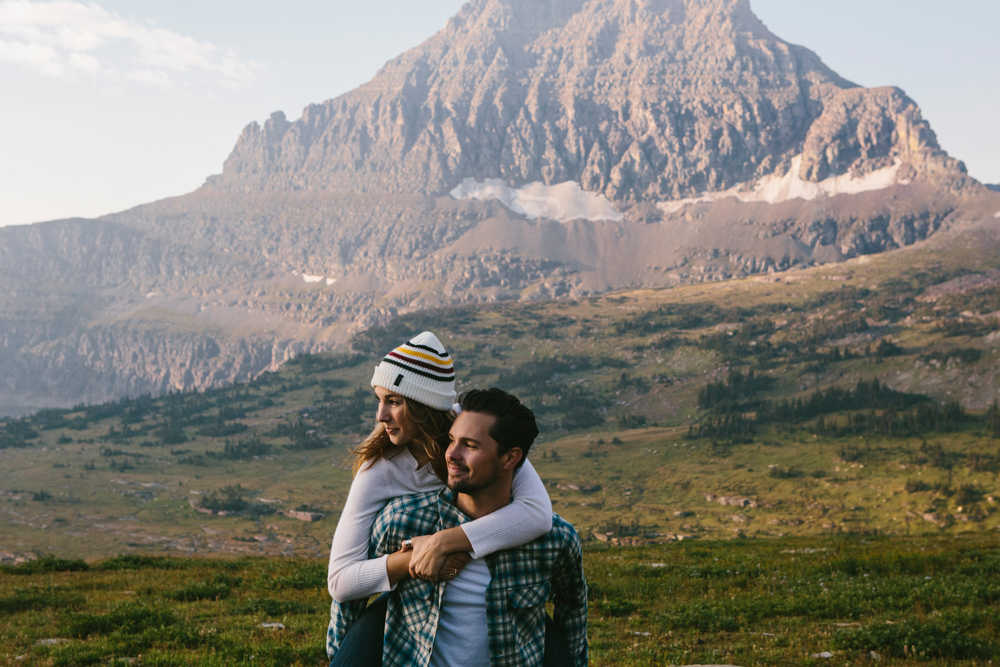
{"x":432,"y":431}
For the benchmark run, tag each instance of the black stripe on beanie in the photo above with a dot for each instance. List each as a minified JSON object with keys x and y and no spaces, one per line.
{"x":418,"y":372}
{"x":402,"y":358}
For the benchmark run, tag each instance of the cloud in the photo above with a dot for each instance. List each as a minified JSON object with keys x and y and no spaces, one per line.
{"x":74,"y":40}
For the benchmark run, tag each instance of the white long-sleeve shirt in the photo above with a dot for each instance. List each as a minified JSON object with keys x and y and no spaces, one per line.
{"x":353,"y":576}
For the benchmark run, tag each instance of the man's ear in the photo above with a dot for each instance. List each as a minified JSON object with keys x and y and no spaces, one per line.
{"x":511,"y":458}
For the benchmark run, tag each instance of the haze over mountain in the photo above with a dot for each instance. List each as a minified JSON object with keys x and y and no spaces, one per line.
{"x":529,"y":150}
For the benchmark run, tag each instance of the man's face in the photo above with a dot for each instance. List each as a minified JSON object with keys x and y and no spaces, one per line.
{"x":473,"y":462}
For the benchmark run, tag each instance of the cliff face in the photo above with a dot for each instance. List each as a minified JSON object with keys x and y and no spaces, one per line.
{"x":531,"y":149}
{"x":638,"y":101}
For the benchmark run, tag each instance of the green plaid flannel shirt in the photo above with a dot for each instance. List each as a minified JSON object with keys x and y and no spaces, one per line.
{"x":523,"y":580}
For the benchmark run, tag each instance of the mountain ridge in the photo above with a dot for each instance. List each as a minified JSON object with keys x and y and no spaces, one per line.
{"x":561,"y":104}
{"x":709,"y":148}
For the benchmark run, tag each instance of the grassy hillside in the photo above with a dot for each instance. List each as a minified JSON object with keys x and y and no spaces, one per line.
{"x":911,"y":601}
{"x":847,"y":399}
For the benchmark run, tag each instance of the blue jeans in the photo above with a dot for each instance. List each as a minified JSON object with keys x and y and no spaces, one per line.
{"x":362,"y":647}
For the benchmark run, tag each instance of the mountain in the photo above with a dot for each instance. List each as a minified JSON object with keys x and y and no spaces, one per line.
{"x":638,"y":101}
{"x":529,"y":150}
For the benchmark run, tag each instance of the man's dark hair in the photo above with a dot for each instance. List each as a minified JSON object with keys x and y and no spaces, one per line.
{"x":515,"y":422}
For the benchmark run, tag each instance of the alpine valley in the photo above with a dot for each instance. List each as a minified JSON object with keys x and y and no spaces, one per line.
{"x":531,"y":150}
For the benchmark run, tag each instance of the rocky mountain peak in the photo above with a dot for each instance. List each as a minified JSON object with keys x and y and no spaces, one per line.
{"x":638,"y":100}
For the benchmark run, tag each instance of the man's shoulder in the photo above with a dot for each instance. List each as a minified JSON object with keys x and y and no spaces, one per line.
{"x":562,"y":535}
{"x":563,"y":529}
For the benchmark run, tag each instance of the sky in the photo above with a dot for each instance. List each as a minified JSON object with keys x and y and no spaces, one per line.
{"x":114,"y":103}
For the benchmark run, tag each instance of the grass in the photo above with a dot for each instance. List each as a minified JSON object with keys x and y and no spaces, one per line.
{"x":921,"y":600}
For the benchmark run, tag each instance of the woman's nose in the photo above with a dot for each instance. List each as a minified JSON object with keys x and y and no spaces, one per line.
{"x":382,"y":414}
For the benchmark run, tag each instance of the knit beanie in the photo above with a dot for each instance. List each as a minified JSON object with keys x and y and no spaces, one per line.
{"x":420,"y":369}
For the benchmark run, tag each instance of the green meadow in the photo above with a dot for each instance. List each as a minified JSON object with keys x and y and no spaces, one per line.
{"x":761,"y":470}
{"x":932,"y":600}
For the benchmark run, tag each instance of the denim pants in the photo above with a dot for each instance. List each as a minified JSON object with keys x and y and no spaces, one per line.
{"x":362,"y":647}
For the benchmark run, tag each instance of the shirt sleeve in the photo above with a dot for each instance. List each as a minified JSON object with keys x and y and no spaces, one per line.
{"x":351,"y":575}
{"x":526,"y":519}
{"x":569,"y":588}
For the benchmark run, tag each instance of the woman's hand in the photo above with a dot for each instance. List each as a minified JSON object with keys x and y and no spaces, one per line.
{"x":431,"y":551}
{"x":453,"y":564}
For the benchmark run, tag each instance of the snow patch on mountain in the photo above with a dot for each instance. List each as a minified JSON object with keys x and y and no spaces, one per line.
{"x":774,"y":189}
{"x":564,"y":202}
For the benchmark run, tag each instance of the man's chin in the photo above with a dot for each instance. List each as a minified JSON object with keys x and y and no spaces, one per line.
{"x":462,"y":485}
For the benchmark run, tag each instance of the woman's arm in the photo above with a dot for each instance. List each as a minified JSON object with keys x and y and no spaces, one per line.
{"x":351,"y":575}
{"x":397,"y":566}
{"x":528,"y":517}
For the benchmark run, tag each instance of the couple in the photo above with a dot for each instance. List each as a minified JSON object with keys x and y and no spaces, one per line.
{"x":450,"y":523}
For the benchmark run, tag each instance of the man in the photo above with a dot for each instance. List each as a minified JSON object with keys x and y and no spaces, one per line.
{"x":492,"y":613}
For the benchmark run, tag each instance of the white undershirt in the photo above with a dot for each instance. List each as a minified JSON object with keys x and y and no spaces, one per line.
{"x":462,"y":634}
{"x":352,"y":576}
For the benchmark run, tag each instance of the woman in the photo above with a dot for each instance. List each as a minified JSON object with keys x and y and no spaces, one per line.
{"x":415,"y":386}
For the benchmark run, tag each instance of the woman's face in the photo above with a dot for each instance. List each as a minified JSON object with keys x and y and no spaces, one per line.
{"x":392,"y":413}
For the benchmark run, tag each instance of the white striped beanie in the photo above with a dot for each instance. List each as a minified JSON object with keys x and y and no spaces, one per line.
{"x":420,"y":369}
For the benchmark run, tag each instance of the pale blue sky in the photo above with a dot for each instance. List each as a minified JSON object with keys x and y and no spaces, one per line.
{"x":113,"y":103}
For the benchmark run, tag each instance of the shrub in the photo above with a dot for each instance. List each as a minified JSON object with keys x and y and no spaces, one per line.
{"x":171,"y":433}
{"x":244,"y":449}
{"x":917,"y":486}
{"x":201,"y":590}
{"x":616,"y":607}
{"x":312,"y":575}
{"x":913,"y":639}
{"x":887,"y":348}
{"x":127,"y":618}
{"x":221,"y":429}
{"x":964,"y":355}
{"x":778,"y":472}
{"x":702,"y":616}
{"x":137,"y":562}
{"x":46,"y":564}
{"x":628,"y":421}
{"x":968,"y":494}
{"x":272,"y":607}
{"x":227,"y":499}
{"x":993,"y":419}
{"x":38,"y":598}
